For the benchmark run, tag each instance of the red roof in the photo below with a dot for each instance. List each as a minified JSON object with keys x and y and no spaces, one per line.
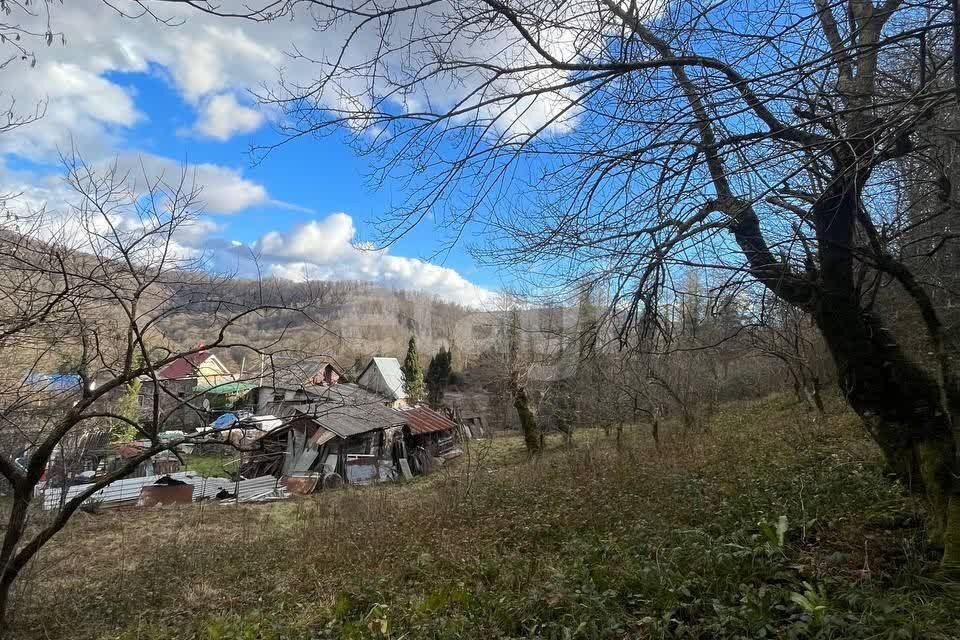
{"x":184,"y":367}
{"x":423,"y":420}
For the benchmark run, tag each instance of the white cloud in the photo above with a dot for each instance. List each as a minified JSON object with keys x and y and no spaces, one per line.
{"x":322,"y":241}
{"x":206,"y":58}
{"x":222,"y":117}
{"x":327,"y":249}
{"x":222,"y":189}
{"x":209,"y":61}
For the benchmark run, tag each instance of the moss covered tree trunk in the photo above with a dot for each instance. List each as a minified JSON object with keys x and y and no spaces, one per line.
{"x":528,"y":421}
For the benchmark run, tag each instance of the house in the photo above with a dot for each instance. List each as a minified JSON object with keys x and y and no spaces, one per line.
{"x":203,"y":368}
{"x":326,"y":374}
{"x":345,"y":436}
{"x":384,"y":377}
{"x":471,"y":410}
{"x":190,"y":387}
{"x":276,"y":399}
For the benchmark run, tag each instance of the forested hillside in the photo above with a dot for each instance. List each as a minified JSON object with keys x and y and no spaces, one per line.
{"x":346,"y":320}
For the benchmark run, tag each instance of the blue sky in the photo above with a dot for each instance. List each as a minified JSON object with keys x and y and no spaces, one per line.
{"x":136,"y":91}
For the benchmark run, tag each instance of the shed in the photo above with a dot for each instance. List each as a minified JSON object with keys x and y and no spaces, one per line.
{"x":276,"y":399}
{"x":384,"y":377}
{"x":428,"y":429}
{"x":344,"y":436}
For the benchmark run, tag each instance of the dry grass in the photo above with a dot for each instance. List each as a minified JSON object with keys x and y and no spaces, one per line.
{"x":496,"y":546}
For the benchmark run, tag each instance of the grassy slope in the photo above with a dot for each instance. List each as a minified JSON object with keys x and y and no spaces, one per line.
{"x":593,"y":543}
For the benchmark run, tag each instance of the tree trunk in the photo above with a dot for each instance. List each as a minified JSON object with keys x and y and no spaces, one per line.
{"x":796,"y":391}
{"x":902,"y":407}
{"x":907,"y":410}
{"x":814,"y":392}
{"x":16,"y":525}
{"x":528,"y":422}
{"x":6,"y":589}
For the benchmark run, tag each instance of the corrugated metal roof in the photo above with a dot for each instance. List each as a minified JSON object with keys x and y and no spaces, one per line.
{"x":257,"y":487}
{"x":347,"y":410}
{"x":225,"y":388}
{"x":423,"y":420}
{"x":210,"y":487}
{"x":384,"y":376}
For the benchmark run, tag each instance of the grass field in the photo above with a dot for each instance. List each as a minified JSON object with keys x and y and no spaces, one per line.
{"x":773,"y":524}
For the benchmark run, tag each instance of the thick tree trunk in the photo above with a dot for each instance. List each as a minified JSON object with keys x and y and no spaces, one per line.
{"x":901,"y":408}
{"x":528,"y":422}
{"x":6,"y":589}
{"x":902,"y":405}
{"x":907,"y":410}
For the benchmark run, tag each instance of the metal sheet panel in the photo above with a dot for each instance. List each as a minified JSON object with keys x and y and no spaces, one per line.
{"x":257,"y":486}
{"x":126,"y":490}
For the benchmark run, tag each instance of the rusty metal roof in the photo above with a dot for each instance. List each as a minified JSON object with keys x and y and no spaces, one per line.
{"x":423,"y":420}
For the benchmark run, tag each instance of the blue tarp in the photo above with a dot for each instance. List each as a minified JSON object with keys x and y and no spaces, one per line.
{"x":54,"y":381}
{"x":224,"y":421}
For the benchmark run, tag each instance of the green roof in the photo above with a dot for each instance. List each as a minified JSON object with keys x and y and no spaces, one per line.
{"x":226,"y":388}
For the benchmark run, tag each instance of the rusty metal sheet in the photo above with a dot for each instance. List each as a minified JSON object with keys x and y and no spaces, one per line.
{"x":301,"y":485}
{"x":160,"y":494}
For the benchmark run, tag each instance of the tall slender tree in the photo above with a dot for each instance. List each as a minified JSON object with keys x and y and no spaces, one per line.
{"x":438,"y":376}
{"x":413,"y":373}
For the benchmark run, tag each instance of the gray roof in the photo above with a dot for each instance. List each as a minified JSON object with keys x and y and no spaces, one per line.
{"x":384,"y":376}
{"x":347,"y":410}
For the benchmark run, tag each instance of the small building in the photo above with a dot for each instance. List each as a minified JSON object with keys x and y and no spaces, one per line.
{"x":427,"y":429}
{"x":276,"y":399}
{"x":345,"y":436}
{"x":384,"y":377}
{"x":327,"y":374}
{"x":190,"y":387}
{"x":203,"y":368}
{"x":470,"y":410}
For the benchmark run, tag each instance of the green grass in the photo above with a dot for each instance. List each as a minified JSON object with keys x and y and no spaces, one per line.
{"x":682,"y":542}
{"x":211,"y":466}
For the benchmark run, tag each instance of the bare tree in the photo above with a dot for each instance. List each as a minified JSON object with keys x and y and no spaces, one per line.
{"x":632,"y":138}
{"x":786,"y":334}
{"x":518,"y":368}
{"x":92,"y":285}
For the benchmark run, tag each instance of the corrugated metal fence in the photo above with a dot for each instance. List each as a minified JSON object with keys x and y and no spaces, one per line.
{"x":127,"y":491}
